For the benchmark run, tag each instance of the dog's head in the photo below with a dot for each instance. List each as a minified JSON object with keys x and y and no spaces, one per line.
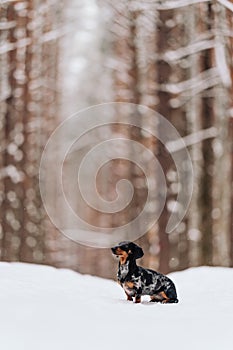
{"x":127,"y":250}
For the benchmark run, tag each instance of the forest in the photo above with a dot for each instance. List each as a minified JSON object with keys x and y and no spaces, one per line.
{"x":160,"y":73}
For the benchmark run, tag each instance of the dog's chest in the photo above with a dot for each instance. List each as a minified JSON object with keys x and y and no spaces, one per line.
{"x":131,"y":287}
{"x":123,"y":271}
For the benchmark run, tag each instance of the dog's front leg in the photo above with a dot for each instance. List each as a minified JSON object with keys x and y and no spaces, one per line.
{"x":129,"y":297}
{"x":137,"y":299}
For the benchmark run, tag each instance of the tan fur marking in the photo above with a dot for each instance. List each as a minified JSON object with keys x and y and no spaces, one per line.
{"x":165,"y":298}
{"x":163,"y":295}
{"x":156,"y":297}
{"x":129,"y":284}
{"x":122,"y":254}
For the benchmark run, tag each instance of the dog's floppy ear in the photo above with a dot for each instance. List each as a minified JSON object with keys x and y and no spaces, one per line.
{"x":136,"y":251}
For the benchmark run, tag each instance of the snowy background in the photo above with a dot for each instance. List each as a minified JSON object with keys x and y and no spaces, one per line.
{"x":55,"y":309}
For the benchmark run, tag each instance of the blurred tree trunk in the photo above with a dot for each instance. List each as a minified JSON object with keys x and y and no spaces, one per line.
{"x":231,"y":213}
{"x":28,"y":111}
{"x":4,"y":94}
{"x":174,"y":246}
{"x":145,"y":45}
{"x":207,"y":121}
{"x":163,"y":77}
{"x":222,"y":159}
{"x":193,"y":107}
{"x":13,"y":205}
{"x":230,"y":26}
{"x":134,"y":31}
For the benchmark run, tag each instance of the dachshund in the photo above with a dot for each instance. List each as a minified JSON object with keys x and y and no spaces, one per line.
{"x":137,"y":281}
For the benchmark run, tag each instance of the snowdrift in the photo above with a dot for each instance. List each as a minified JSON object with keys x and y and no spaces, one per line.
{"x":56,"y":309}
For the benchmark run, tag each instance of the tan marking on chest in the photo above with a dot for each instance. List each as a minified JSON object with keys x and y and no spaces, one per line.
{"x":129,"y":284}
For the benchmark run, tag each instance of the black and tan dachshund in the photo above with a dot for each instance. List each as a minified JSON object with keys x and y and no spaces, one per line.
{"x":137,"y":281}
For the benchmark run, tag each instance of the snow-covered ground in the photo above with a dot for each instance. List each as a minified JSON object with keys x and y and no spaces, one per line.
{"x":43,"y":308}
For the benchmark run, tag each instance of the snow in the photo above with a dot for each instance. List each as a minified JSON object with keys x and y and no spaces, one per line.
{"x":55,"y":309}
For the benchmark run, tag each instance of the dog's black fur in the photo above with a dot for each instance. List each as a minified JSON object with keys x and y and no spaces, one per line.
{"x":137,"y":281}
